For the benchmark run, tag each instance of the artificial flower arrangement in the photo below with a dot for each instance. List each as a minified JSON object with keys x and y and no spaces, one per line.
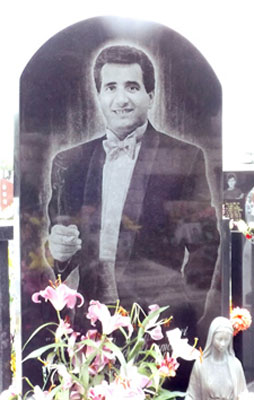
{"x":240,"y":319}
{"x":93,"y":366}
{"x":246,"y":229}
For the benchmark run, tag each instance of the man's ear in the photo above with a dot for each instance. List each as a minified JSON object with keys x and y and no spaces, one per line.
{"x":151,"y":97}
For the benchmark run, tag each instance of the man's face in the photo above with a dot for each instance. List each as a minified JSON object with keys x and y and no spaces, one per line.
{"x":231,"y":183}
{"x":123,"y":98}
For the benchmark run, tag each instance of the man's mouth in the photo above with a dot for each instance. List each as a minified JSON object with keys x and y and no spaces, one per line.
{"x":123,"y":111}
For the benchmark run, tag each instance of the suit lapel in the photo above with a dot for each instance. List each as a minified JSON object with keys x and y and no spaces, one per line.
{"x":93,"y":184}
{"x":136,"y":193}
{"x":92,"y":197}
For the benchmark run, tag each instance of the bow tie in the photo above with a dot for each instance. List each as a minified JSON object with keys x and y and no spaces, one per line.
{"x":114,"y":148}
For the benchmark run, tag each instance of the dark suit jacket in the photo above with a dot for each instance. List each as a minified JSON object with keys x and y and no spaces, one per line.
{"x":167,"y":210}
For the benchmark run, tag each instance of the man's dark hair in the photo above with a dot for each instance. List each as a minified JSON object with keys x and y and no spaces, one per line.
{"x":125,"y":55}
{"x":231,"y":175}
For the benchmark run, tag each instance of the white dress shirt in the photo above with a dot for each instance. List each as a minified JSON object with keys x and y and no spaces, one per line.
{"x":117,"y":174}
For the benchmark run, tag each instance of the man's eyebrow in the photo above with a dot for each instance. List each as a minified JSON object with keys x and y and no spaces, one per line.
{"x":128,"y":83}
{"x":109,"y":83}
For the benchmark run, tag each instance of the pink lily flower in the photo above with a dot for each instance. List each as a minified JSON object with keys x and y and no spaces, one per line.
{"x":123,"y":387}
{"x":155,"y":333}
{"x":180,"y":346}
{"x":101,"y":359}
{"x":110,"y":323}
{"x":129,"y":385}
{"x":77,"y":392}
{"x":67,"y":379}
{"x":153,"y":327}
{"x":71,"y":343}
{"x":99,"y":392}
{"x":122,"y":390}
{"x":168,"y":366}
{"x":59,"y":296}
{"x":64,"y":328}
{"x":130,"y":374}
{"x":76,"y":352}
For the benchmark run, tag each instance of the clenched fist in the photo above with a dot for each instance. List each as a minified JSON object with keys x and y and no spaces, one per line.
{"x":64,"y":242}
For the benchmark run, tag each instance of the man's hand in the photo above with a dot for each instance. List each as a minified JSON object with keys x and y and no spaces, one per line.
{"x":64,"y":242}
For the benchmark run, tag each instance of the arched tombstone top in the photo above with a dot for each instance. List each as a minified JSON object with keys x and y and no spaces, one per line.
{"x":188,"y":91}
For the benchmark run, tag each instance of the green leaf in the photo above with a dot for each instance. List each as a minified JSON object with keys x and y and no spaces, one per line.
{"x":37,"y":331}
{"x":55,"y":392}
{"x":91,"y":357}
{"x":124,"y":333}
{"x":149,"y":317}
{"x":153,"y":314}
{"x":117,"y":352}
{"x":152,"y":374}
{"x":63,"y":395}
{"x":136,"y":349}
{"x":29,"y":393}
{"x":90,"y":343}
{"x":166,"y":394}
{"x":97,"y":379}
{"x":38,"y":352}
{"x":149,"y":353}
{"x":84,"y":374}
{"x":147,"y":367}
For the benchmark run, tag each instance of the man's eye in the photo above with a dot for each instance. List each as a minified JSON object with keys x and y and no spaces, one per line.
{"x":133,"y":89}
{"x":110,"y":88}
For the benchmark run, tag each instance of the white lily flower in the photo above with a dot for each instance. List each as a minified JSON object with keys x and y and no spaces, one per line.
{"x":8,"y":394}
{"x":180,"y":346}
{"x":39,"y":394}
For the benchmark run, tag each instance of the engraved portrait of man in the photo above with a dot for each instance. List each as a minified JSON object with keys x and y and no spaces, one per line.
{"x":121,"y":120}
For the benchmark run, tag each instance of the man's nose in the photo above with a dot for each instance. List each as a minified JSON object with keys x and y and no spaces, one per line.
{"x":121,"y":97}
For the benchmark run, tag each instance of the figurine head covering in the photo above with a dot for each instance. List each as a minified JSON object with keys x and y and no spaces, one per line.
{"x":219,"y":324}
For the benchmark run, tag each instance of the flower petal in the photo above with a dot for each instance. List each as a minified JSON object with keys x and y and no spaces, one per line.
{"x":156,"y":333}
{"x":180,"y":346}
{"x":55,"y":296}
{"x":81,"y":298}
{"x":35,"y":297}
{"x":97,"y":311}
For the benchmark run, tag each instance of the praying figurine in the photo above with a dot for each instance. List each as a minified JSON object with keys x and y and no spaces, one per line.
{"x":219,"y":374}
